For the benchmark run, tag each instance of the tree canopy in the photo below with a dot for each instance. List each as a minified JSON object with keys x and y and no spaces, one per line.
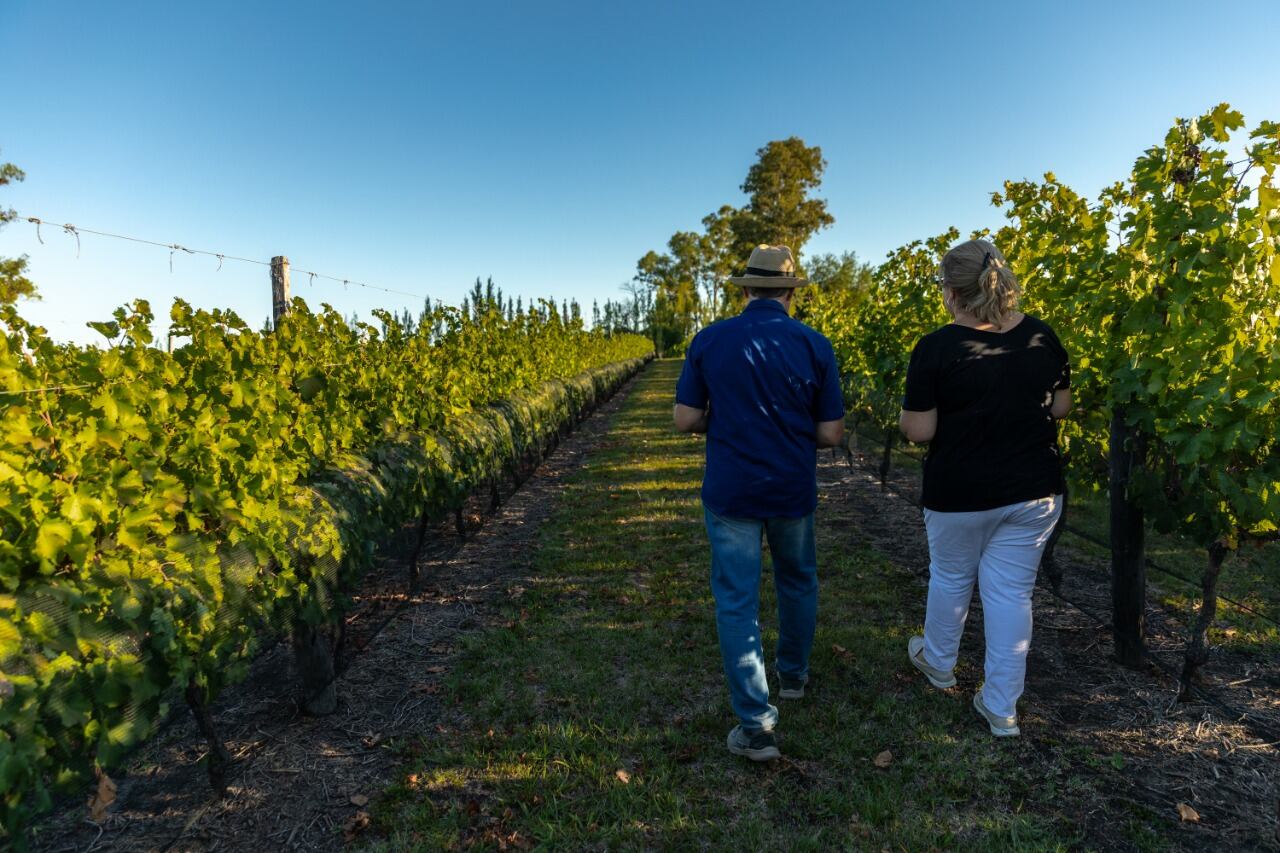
{"x":676,"y":292}
{"x":13,"y":281}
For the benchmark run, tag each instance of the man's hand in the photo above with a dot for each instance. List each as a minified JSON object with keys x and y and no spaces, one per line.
{"x":689,"y":419}
{"x":829,"y":433}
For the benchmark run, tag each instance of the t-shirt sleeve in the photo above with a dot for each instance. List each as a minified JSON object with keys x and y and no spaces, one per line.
{"x":691,"y":388}
{"x":922,"y":379}
{"x":830,"y":403}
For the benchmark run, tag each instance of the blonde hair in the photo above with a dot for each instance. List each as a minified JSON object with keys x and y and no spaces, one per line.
{"x":981,"y":281}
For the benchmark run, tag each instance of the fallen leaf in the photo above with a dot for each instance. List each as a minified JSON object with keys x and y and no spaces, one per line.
{"x":102,"y":798}
{"x":1188,"y":814}
{"x":370,"y":741}
{"x":624,"y":777}
{"x":355,"y":824}
{"x":883,"y":760}
{"x":435,"y":670}
{"x":359,"y":800}
{"x":473,"y":807}
{"x":841,"y":651}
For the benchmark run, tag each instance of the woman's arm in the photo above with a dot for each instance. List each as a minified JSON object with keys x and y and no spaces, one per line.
{"x":1061,"y":403}
{"x":918,"y":427}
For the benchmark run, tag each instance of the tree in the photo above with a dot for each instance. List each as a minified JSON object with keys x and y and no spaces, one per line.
{"x":842,"y":276}
{"x":13,"y":283}
{"x":719,"y":245}
{"x":780,"y":210}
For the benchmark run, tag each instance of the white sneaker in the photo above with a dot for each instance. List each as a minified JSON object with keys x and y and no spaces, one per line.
{"x":1000,"y":726}
{"x":938,"y":678}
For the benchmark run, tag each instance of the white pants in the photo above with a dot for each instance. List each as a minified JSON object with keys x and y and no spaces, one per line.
{"x":1000,"y":549}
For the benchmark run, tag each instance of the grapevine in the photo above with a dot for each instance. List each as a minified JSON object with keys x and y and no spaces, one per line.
{"x":165,"y":512}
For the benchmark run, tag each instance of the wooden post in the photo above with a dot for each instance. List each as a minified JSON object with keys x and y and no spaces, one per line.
{"x":1128,"y":544}
{"x":279,"y":288}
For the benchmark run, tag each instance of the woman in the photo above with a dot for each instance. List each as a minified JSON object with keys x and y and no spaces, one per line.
{"x":986,"y":392}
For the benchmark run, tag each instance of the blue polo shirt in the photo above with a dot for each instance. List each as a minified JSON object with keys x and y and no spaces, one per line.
{"x":769,"y":379}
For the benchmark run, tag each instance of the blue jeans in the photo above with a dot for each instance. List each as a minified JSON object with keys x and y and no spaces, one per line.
{"x":735,"y":583}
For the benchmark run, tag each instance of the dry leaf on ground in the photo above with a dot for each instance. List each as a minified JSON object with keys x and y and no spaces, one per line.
{"x":359,"y":800}
{"x":1188,"y":814}
{"x":841,"y":651}
{"x":883,"y":760}
{"x":623,"y":776}
{"x":355,"y":824}
{"x":435,"y":670}
{"x":102,"y":798}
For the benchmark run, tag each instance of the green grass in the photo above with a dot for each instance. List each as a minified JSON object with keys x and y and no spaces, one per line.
{"x":1251,"y":576}
{"x":609,"y":663}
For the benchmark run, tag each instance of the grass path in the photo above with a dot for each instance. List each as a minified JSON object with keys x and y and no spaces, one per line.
{"x":595,"y":715}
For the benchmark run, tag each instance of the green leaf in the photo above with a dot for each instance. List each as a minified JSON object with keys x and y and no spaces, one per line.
{"x":54,"y":535}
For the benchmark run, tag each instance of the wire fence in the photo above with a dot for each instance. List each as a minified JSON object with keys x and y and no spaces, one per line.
{"x":174,"y":248}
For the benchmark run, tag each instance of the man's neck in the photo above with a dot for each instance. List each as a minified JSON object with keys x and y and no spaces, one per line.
{"x":785,"y":303}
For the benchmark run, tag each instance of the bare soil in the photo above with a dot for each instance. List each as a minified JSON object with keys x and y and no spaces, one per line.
{"x":301,"y":782}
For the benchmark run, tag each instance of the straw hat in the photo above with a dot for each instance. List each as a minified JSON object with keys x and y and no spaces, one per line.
{"x":770,"y":266}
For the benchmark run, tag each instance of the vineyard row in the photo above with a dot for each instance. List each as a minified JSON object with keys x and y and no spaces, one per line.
{"x":165,"y":513}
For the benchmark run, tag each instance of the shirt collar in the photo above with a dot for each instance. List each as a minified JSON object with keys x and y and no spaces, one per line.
{"x":765,"y":305}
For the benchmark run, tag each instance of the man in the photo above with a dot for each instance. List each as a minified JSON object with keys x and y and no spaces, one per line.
{"x":766,"y":391}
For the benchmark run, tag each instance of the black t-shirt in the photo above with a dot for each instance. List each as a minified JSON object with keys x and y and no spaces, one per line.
{"x":996,"y":443}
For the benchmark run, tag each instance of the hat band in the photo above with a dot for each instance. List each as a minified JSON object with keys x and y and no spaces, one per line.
{"x":767,"y":273}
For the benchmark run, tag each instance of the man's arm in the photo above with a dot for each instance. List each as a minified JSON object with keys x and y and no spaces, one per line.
{"x":689,"y":419}
{"x":919,"y":427}
{"x":830,"y":433}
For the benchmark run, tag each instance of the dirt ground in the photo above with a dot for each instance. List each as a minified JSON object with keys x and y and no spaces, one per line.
{"x":1217,"y":754}
{"x":299,"y":782}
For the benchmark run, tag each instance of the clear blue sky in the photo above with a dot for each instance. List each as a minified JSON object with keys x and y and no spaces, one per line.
{"x":550,"y":144}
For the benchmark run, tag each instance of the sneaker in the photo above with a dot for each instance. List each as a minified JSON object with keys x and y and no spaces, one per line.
{"x":1000,"y":726}
{"x":938,"y":678}
{"x":758,"y":746}
{"x":790,"y":687}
